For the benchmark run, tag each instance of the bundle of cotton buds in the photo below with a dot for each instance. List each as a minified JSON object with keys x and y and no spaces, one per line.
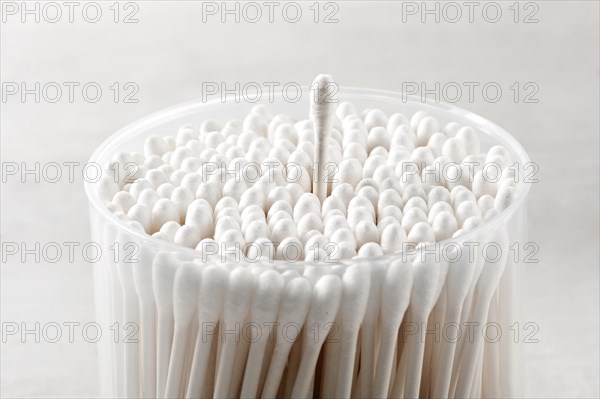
{"x":247,"y":188}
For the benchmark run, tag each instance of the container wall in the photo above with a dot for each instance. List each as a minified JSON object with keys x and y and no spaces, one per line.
{"x":451,"y":308}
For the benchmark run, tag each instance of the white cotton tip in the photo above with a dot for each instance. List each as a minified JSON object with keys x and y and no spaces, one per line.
{"x":383,"y":172}
{"x":343,"y":191}
{"x":142,"y":214}
{"x":422,"y":157}
{"x":444,"y":225}
{"x":278,"y":194}
{"x":343,"y":235}
{"x":350,"y":171}
{"x":343,"y":251}
{"x":396,"y":120}
{"x":485,"y":203}
{"x":231,"y":238}
{"x":375,"y":118}
{"x":498,"y":150}
{"x":484,"y":185}
{"x":416,"y":202}
{"x":163,"y":275}
{"x":307,"y":203}
{"x":390,"y":211}
{"x":314,"y":240}
{"x":229,"y":212}
{"x":213,"y":286}
{"x":252,"y":196}
{"x":334,"y":224}
{"x":209,"y":192}
{"x":451,"y":129}
{"x":413,"y":190}
{"x":416,"y":119}
{"x":295,"y":191}
{"x":466,"y":210}
{"x":404,"y":136}
{"x":357,"y":202}
{"x":308,"y":222}
{"x":367,"y":183}
{"x":505,"y":198}
{"x":290,"y":250}
{"x":184,"y":134}
{"x":389,"y":197}
{"x":164,"y":211}
{"x":283,"y":229}
{"x":317,"y":255}
{"x":378,"y":137}
{"x":356,"y":282}
{"x":332,"y":203}
{"x":191,"y":181}
{"x":437,"y":208}
{"x":366,"y":231}
{"x":454,"y":149}
{"x":438,"y":194}
{"x":261,"y":249}
{"x":209,"y":250}
{"x":426,"y":128}
{"x":359,"y":214}
{"x":370,"y":193}
{"x":372,"y":164}
{"x":225,"y":203}
{"x":384,"y":222}
{"x":272,"y":220}
{"x":267,"y":292}
{"x":472,"y":223}
{"x":436,"y":143}
{"x":187,"y":236}
{"x":345,"y":109}
{"x":393,"y":238}
{"x":200,"y":215}
{"x":412,"y":217}
{"x":165,"y":190}
{"x":369,"y":250}
{"x":470,"y":140}
{"x":107,"y":188}
{"x":149,"y":197}
{"x":185,"y":291}
{"x":398,"y":154}
{"x":256,"y":230}
{"x":421,"y":232}
{"x":428,"y":278}
{"x":155,"y":145}
{"x":182,"y":198}
{"x":124,"y":200}
{"x":358,"y":137}
{"x":138,"y":186}
{"x":170,"y":229}
{"x":461,"y":194}
{"x":257,"y":123}
{"x":278,"y":206}
{"x":298,"y":158}
{"x":224,"y":224}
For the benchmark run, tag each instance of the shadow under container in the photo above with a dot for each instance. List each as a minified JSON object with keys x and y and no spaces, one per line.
{"x":455,"y":338}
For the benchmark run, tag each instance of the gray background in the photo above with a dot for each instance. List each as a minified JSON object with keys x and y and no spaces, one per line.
{"x":170,"y":52}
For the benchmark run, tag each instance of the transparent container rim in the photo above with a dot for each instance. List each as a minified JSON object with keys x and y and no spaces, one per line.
{"x":139,"y":126}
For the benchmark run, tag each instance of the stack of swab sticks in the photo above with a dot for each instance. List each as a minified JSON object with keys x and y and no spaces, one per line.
{"x":378,"y":282}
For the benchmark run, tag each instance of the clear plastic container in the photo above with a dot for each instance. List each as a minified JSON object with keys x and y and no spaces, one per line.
{"x":476,"y":296}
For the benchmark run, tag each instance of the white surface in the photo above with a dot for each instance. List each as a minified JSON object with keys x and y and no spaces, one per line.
{"x":170,"y":52}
